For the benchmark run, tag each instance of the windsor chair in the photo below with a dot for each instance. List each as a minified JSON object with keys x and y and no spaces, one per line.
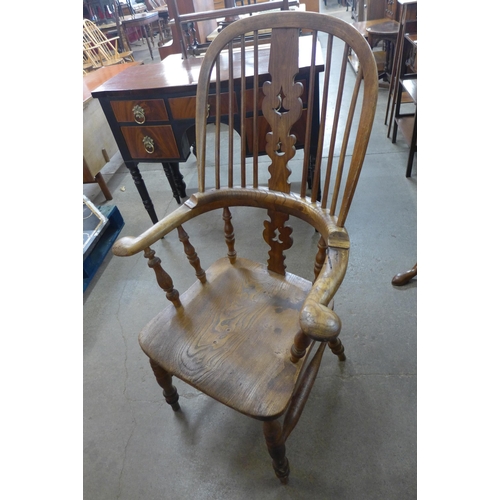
{"x":250,"y":334}
{"x":99,"y":49}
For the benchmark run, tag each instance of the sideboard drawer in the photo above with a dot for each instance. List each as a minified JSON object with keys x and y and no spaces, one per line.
{"x":150,"y":142}
{"x":184,"y":108}
{"x":140,"y":111}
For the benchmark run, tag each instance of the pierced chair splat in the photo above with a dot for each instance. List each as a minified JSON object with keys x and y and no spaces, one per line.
{"x":251,"y":334}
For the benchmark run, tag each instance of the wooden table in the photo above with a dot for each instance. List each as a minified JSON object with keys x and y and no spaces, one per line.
{"x":374,"y":31}
{"x":151,"y":112}
{"x":143,"y":22}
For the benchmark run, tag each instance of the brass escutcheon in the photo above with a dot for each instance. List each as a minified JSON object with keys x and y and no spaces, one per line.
{"x":149,"y":145}
{"x":139,"y":114}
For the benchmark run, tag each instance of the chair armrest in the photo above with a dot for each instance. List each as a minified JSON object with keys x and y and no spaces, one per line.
{"x":129,"y":245}
{"x":199,"y":203}
{"x":317,"y":320}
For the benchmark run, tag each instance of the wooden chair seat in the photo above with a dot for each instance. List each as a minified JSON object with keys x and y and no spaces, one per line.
{"x":241,"y":321}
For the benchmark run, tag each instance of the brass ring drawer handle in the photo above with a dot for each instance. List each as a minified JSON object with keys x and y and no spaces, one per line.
{"x":149,"y":144}
{"x":139,"y":114}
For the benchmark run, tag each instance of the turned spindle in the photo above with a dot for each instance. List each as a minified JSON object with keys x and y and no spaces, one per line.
{"x":229,"y":235}
{"x":162,"y":277}
{"x":300,"y":344}
{"x":191,"y":254}
{"x":337,"y":349}
{"x":320,"y":256}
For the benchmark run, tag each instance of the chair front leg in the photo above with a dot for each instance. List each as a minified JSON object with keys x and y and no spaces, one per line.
{"x":276,"y":447}
{"x":164,"y":380}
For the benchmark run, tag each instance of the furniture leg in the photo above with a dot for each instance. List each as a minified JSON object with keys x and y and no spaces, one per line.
{"x":179,"y":179}
{"x":104,"y":188}
{"x":337,"y":348}
{"x":164,"y":380}
{"x":413,"y":147}
{"x":403,"y":278}
{"x":276,"y":448}
{"x":395,"y":110}
{"x":147,"y":35}
{"x":175,"y":179}
{"x":143,"y":192}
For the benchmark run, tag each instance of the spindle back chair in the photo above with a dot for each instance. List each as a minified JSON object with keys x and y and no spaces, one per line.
{"x":249,"y":334}
{"x":103,"y":51}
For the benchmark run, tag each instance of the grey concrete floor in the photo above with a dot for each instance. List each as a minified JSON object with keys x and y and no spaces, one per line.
{"x":357,"y":435}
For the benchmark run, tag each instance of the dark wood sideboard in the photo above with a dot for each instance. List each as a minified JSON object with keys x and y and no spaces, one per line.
{"x":151,"y":112}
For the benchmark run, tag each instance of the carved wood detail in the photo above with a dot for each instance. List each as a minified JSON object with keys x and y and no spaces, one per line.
{"x":282,"y":105}
{"x":277,"y":236}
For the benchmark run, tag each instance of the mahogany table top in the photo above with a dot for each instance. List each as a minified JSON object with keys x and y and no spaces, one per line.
{"x":175,"y":72}
{"x":96,"y":78}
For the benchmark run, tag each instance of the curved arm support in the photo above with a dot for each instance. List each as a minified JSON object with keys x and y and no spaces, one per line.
{"x":317,"y":320}
{"x":199,"y":203}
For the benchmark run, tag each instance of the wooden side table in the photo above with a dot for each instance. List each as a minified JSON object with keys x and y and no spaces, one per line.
{"x":375,"y":31}
{"x":143,"y":22}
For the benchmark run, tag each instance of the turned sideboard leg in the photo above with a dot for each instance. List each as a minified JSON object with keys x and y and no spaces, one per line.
{"x":180,"y":185}
{"x":143,"y":192}
{"x":175,"y":179}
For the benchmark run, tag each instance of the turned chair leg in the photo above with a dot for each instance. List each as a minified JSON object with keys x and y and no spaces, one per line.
{"x":276,"y":448}
{"x":337,"y":349}
{"x":164,"y":380}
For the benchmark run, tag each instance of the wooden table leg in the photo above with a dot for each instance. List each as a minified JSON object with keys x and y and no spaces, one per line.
{"x":413,"y":147}
{"x":147,"y":33}
{"x":175,"y":179}
{"x":141,"y":187}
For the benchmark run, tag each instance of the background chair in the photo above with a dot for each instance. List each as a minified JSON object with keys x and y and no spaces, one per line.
{"x":250,"y":334}
{"x":100,"y":49}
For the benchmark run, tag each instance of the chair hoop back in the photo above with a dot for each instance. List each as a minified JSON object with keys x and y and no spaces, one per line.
{"x":289,"y":100}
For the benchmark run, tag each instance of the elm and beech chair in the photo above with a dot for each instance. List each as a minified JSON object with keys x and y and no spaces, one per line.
{"x":249,"y":334}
